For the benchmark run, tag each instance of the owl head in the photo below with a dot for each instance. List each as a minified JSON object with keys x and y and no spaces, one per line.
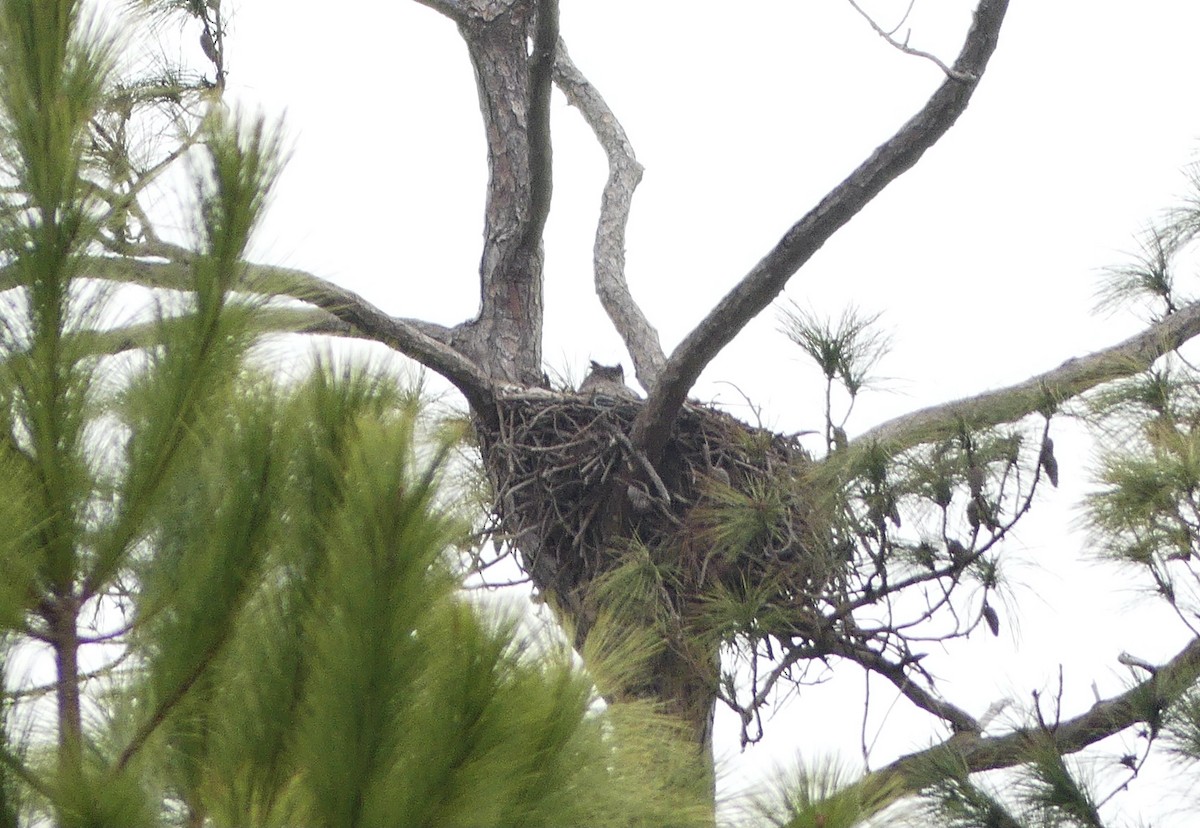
{"x":611,"y":373}
{"x":609,"y":379}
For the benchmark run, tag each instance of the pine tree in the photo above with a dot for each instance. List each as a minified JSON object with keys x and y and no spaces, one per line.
{"x":243,"y":579}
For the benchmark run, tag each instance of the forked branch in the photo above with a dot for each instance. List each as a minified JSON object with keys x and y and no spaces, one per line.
{"x":903,"y":46}
{"x":766,"y":279}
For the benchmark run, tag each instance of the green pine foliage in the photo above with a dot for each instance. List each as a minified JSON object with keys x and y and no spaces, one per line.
{"x":245,"y":584}
{"x":261,"y":567}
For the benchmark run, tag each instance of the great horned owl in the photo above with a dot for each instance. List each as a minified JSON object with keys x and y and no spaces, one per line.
{"x":606,"y":379}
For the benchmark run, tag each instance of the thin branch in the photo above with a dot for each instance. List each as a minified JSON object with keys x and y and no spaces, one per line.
{"x":765,"y":281}
{"x":959,"y":719}
{"x":608,"y":254}
{"x":1068,"y":380}
{"x":908,"y":50}
{"x":1105,"y":718}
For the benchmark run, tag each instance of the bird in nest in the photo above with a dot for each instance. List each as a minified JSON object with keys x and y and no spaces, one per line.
{"x":607,"y":381}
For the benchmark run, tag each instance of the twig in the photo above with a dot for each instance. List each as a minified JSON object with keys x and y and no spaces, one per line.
{"x":965,"y":77}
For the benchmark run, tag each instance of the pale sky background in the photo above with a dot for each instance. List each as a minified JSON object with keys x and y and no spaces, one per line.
{"x":983,"y":259}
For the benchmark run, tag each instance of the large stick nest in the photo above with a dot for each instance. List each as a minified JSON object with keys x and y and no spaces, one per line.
{"x":730,"y":505}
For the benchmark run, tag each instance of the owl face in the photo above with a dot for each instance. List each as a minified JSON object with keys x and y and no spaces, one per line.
{"x":611,"y":373}
{"x":607,"y":378}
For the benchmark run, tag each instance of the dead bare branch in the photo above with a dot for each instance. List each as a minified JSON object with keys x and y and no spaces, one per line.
{"x":423,"y":341}
{"x":1068,"y":380}
{"x":767,"y":278}
{"x":904,"y":47}
{"x":608,"y":253}
{"x":1105,"y":718}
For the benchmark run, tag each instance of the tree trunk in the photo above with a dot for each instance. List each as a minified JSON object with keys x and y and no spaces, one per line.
{"x":506,"y":337}
{"x":62,"y":618}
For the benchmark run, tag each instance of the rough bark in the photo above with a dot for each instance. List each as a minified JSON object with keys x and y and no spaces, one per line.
{"x":514,"y":97}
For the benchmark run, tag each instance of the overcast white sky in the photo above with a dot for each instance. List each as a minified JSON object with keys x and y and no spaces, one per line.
{"x":983,"y":259}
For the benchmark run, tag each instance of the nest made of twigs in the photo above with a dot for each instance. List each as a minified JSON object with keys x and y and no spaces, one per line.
{"x":728,"y":503}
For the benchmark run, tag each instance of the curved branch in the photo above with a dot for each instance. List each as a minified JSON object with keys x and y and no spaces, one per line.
{"x":1068,"y":380}
{"x":767,"y":278}
{"x":465,"y":374}
{"x":425,"y":342}
{"x":959,"y":719}
{"x":133,"y":267}
{"x":608,"y":254}
{"x":1105,"y":718}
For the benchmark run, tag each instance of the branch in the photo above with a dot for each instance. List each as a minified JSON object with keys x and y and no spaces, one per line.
{"x":904,"y":47}
{"x":133,"y":266}
{"x":425,"y":342}
{"x":541,"y":160}
{"x":467,"y":377}
{"x":765,"y":281}
{"x":1068,"y":380}
{"x":1105,"y":718}
{"x":299,"y":320}
{"x":959,"y":719}
{"x":456,"y":10}
{"x":608,"y":254}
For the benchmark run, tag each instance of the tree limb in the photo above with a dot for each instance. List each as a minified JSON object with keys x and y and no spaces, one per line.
{"x":456,"y":10}
{"x":1105,"y":718}
{"x":959,"y":719}
{"x":608,"y":253}
{"x":423,"y":341}
{"x":767,"y":278}
{"x":1068,"y":380}
{"x":468,"y":377}
{"x":134,"y":267}
{"x":541,"y":157}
